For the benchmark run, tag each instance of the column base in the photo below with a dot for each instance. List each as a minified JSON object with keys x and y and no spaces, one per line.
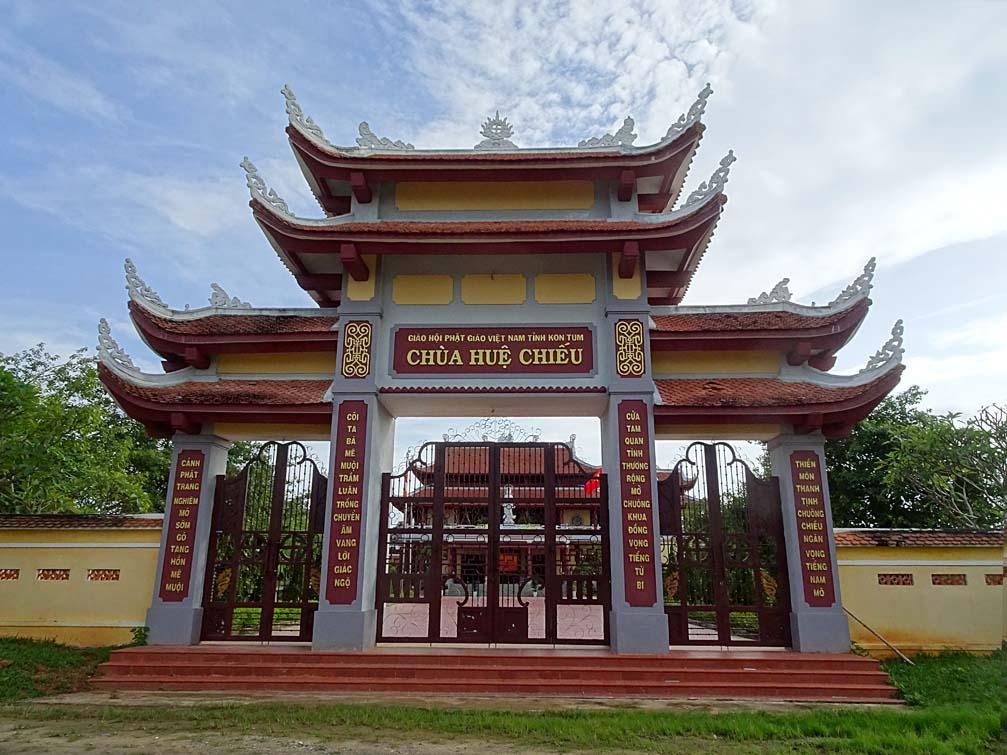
{"x":642,"y":632}
{"x":352,"y":630}
{"x":174,"y":624}
{"x":820,"y":630}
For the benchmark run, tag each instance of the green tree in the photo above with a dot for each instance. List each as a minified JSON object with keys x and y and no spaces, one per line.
{"x":65,"y":446}
{"x":904,"y":466}
{"x":956,"y":465}
{"x":857,"y":465}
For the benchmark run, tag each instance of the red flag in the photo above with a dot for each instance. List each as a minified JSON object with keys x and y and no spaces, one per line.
{"x":593,"y":485}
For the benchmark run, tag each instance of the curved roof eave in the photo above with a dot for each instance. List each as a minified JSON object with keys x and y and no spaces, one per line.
{"x":370,"y":146}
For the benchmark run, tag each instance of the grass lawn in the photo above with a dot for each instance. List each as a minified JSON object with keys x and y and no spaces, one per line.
{"x":957,"y":704}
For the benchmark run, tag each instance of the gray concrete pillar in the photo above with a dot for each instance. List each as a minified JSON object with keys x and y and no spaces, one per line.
{"x":175,"y":616}
{"x":637,"y":620}
{"x":362,"y":440}
{"x":817,"y":621}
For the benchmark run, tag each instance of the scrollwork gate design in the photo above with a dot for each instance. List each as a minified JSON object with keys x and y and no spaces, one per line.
{"x":494,"y":542}
{"x":723,"y":552}
{"x":264,"y":560}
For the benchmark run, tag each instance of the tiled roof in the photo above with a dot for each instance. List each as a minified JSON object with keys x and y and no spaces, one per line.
{"x":78,"y":522}
{"x":753,"y":392}
{"x":469,"y":227}
{"x":241,"y":325}
{"x":918,"y":538}
{"x":262,"y":392}
{"x":705,"y":322}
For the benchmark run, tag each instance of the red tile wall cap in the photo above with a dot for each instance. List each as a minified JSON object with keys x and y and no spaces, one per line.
{"x":80,"y":521}
{"x":374,"y":148}
{"x":918,"y":538}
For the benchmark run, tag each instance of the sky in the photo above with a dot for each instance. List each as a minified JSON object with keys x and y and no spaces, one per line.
{"x":861,"y":129}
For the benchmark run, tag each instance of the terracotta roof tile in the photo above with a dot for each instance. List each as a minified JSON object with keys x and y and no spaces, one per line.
{"x":77,"y":522}
{"x":918,"y":538}
{"x":262,"y":392}
{"x":240,"y":325}
{"x":470,"y":227}
{"x":705,"y":322}
{"x":753,"y":392}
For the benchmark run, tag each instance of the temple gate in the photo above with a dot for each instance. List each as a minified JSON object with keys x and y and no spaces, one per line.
{"x":506,"y":281}
{"x":494,"y":542}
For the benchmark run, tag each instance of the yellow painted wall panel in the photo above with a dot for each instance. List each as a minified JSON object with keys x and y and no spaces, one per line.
{"x":423,"y":289}
{"x":625,"y":288}
{"x":494,"y":195}
{"x":266,"y":431}
{"x":713,"y":362}
{"x":363,"y":290}
{"x":321,"y":363}
{"x":78,"y":610}
{"x":565,"y":288}
{"x":923,"y":616}
{"x":740,"y":431}
{"x":494,"y":289}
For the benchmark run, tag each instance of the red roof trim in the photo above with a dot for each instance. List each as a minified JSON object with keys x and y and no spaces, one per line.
{"x":497,"y":389}
{"x":885,"y":538}
{"x":237,"y":334}
{"x":78,"y":522}
{"x":447,"y":160}
{"x":808,"y":406}
{"x":793,"y":332}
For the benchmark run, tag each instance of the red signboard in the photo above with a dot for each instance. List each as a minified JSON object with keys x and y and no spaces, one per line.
{"x":347,"y":503}
{"x":493,"y":351}
{"x":177,"y":565}
{"x":637,"y":505}
{"x":812,"y":529}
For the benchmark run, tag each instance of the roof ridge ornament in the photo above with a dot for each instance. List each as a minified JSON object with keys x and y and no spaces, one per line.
{"x":138,"y":288}
{"x":623,"y":137}
{"x":220,"y":299}
{"x":716,"y":183}
{"x":297,"y":117}
{"x":694,"y":115}
{"x":861,"y":285}
{"x":258,"y":189}
{"x":779,"y":293}
{"x":369,"y":140}
{"x":497,"y":132}
{"x":891,"y":351}
{"x":110,"y":351}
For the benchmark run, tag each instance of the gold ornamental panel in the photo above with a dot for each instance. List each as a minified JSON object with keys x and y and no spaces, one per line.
{"x":629,"y":356}
{"x":356,"y":349}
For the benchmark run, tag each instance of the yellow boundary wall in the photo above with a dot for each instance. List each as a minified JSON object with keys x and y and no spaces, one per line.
{"x":91,"y":608}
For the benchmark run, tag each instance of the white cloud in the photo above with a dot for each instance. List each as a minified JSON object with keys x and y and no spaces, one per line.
{"x":48,"y":81}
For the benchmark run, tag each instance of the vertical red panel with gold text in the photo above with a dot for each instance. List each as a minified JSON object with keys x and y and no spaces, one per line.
{"x":177,"y":566}
{"x":637,"y":514}
{"x":348,"y":476}
{"x":812,"y":529}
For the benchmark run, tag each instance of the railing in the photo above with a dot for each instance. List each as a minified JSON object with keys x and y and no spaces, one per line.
{"x":889,"y":645}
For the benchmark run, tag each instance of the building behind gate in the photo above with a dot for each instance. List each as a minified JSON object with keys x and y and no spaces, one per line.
{"x":502,"y":281}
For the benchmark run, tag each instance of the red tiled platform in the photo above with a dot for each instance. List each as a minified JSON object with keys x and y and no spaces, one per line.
{"x":680,"y":674}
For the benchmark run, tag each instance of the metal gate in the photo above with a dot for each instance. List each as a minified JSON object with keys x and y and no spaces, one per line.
{"x":265,"y":554}
{"x":723,"y":552}
{"x":494,"y":543}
